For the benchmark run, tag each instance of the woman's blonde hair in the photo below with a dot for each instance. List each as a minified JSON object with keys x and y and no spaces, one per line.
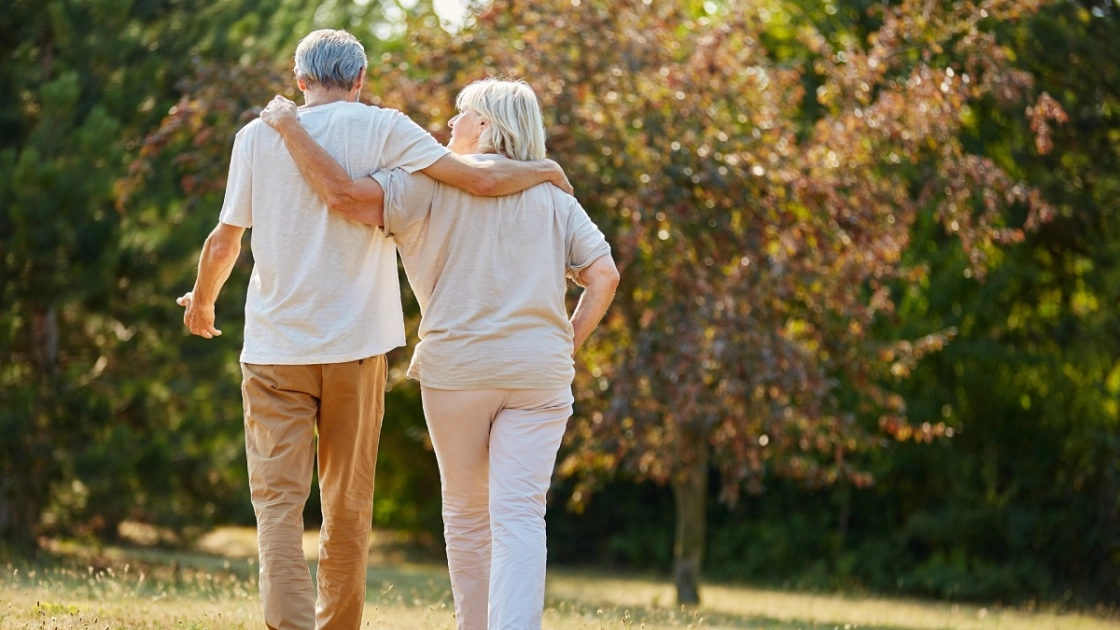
{"x":516,"y":127}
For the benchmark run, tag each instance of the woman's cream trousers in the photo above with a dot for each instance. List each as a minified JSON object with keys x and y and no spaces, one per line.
{"x":496,"y":449}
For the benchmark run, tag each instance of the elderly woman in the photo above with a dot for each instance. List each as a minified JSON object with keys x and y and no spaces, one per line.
{"x":496,"y":343}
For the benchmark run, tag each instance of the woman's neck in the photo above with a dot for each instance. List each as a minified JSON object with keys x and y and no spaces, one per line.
{"x":462,"y":150}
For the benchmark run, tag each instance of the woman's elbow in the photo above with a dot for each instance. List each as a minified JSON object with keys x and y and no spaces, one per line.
{"x":351,"y":208}
{"x":603,"y":276}
{"x":338,"y":201}
{"x":609,"y":272}
{"x":611,"y":279}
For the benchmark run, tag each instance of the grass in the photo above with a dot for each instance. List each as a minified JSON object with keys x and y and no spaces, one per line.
{"x":215,"y":587}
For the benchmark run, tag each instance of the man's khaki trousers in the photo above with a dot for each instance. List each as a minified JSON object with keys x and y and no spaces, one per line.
{"x":286,"y":406}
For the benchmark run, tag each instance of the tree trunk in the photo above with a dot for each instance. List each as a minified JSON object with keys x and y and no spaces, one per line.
{"x":26,"y":480}
{"x":19,"y":511}
{"x":690,"y":493}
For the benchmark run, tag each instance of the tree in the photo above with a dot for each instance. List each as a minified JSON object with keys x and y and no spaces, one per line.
{"x":102,"y":417}
{"x":760,"y":226}
{"x":1028,"y":497}
{"x":759,"y":178}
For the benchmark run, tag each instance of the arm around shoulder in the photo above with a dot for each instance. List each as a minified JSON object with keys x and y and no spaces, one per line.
{"x":359,"y":199}
{"x":493,"y":178}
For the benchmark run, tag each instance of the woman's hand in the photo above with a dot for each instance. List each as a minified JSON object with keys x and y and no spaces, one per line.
{"x":280,"y":113}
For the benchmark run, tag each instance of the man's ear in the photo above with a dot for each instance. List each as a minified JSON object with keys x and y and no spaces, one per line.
{"x":361,"y":81}
{"x":301,"y":84}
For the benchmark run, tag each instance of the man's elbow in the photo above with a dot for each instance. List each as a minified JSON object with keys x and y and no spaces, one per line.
{"x":223,"y":252}
{"x":483,"y":184}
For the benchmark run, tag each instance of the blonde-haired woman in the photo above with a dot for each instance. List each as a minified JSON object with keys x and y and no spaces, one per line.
{"x":496,"y":343}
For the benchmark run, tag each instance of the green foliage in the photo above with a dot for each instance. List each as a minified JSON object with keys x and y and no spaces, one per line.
{"x":115,"y":413}
{"x":766,"y":231}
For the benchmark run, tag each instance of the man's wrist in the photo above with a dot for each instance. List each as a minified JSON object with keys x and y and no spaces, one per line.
{"x":201,"y":304}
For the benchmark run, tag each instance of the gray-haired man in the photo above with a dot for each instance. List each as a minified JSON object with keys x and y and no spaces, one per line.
{"x":322,"y":310}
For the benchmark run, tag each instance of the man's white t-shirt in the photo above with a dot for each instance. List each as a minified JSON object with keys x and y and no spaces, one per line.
{"x":324,"y":289}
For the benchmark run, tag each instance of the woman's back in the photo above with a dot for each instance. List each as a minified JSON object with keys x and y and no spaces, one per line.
{"x":489,"y":273}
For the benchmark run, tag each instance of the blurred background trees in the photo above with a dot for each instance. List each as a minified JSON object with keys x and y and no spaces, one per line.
{"x":867,"y":332}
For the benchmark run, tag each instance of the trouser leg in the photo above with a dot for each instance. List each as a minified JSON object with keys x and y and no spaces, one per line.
{"x":524,"y":439}
{"x":350,"y":417}
{"x":280,"y":410}
{"x":459,"y":425}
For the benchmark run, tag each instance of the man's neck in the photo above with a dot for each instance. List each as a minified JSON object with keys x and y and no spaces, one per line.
{"x":314,"y":98}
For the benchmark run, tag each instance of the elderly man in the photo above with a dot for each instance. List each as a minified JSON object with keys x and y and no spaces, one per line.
{"x":323,"y":308}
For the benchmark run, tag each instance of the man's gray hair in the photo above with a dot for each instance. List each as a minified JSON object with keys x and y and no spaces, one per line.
{"x":330,"y":59}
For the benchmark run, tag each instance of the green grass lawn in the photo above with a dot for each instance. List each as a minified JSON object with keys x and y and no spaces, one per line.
{"x":214,"y":587}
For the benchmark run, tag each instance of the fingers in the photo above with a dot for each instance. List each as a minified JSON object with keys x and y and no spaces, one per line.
{"x":208,"y":331}
{"x":199,"y":321}
{"x":564,"y":184}
{"x":280,"y":104}
{"x":204,"y":330}
{"x":279,"y":111}
{"x":560,"y":179}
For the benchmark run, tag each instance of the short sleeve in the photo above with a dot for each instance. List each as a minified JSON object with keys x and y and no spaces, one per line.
{"x":237,"y":209}
{"x":408,"y":198}
{"x":409,"y":147}
{"x":585,"y":241}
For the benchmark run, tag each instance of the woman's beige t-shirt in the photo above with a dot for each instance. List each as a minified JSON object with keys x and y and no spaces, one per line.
{"x":490,"y":276}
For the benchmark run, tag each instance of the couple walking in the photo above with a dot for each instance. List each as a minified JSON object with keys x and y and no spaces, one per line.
{"x":488,"y":235}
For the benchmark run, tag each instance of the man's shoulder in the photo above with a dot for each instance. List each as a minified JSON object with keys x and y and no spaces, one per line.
{"x":362,"y":111}
{"x":254,"y":130}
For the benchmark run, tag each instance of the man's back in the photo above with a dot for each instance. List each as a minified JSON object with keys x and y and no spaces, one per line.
{"x":324,"y":289}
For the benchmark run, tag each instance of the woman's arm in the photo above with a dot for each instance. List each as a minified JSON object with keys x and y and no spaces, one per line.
{"x":599,"y":280}
{"x":354,"y":197}
{"x":359,"y":199}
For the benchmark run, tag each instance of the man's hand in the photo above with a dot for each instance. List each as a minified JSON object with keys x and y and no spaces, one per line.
{"x":560,"y":180}
{"x":279,"y":113}
{"x":198,"y":318}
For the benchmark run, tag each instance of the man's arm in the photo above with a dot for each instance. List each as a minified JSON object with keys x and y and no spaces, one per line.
{"x":356,"y":197}
{"x":493,"y":178}
{"x":599,"y":280}
{"x":219,"y":253}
